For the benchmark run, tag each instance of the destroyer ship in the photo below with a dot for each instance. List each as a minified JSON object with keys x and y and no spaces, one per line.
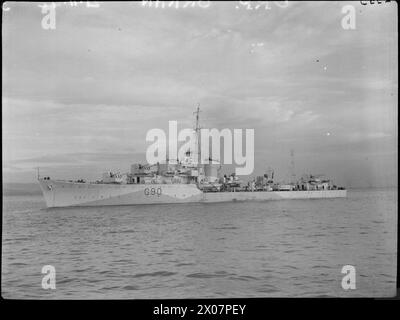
{"x":184,"y":181}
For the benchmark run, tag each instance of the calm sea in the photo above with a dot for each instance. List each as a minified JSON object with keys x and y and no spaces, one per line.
{"x":288,"y":248}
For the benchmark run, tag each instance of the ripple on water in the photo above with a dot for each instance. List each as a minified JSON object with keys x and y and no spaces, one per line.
{"x":201,"y":275}
{"x":226,"y":228}
{"x":243,"y":278}
{"x":268,"y":289}
{"x":183,"y":264}
{"x":154,"y":274}
{"x":130,"y":287}
{"x":18,"y":264}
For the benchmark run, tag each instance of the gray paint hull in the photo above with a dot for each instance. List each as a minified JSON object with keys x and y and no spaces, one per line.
{"x":65,"y":194}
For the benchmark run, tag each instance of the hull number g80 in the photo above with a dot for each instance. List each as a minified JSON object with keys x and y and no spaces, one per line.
{"x":153,"y":191}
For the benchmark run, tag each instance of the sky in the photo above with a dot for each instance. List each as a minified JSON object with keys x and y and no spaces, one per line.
{"x":78,"y":100}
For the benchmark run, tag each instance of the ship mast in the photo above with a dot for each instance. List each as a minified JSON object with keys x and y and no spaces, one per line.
{"x":292,"y":168}
{"x":197,"y":130}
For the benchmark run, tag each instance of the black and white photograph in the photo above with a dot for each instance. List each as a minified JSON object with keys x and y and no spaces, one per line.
{"x":199,"y":150}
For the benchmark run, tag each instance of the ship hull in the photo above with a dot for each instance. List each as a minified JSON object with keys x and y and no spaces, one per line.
{"x":66,"y":194}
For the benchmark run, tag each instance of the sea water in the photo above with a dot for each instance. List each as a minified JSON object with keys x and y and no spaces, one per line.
{"x":285,"y":248}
